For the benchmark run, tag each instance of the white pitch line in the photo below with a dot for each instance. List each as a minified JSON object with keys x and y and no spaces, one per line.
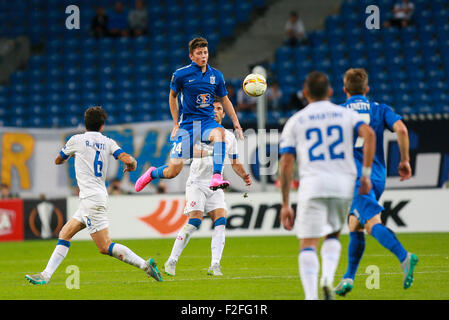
{"x":224,"y":278}
{"x":227,"y":257}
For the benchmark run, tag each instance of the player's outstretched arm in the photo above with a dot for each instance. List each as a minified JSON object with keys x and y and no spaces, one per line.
{"x":237,"y":166}
{"x":59,"y":160}
{"x":404,"y":169}
{"x":129,"y":161}
{"x":174,"y":110}
{"x":287,"y":166}
{"x":369,"y":149}
{"x":229,"y":109}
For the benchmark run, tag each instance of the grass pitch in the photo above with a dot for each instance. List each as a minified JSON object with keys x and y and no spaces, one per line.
{"x":255,"y":268}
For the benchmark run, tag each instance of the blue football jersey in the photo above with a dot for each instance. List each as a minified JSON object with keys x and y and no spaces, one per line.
{"x":378,"y":116}
{"x":197,"y":91}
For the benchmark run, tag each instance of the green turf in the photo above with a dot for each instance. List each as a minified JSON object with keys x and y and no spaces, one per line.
{"x":256,"y":268}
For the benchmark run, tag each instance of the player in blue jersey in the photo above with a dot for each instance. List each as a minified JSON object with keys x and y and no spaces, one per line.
{"x":198,"y":84}
{"x":365,"y":209}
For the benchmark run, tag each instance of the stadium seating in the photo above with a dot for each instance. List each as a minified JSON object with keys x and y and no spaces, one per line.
{"x":406,"y":66}
{"x":126,"y":74}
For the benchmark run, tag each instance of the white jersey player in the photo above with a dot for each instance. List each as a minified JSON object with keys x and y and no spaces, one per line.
{"x":93,"y":151}
{"x":321,"y":136}
{"x":200,"y":199}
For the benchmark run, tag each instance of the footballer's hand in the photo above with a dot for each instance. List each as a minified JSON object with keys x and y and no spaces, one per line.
{"x":287,"y":217}
{"x":238,"y":131}
{"x":175,"y":130}
{"x":404,"y":170}
{"x":247,"y":179}
{"x":130,"y":166}
{"x":365,"y":185}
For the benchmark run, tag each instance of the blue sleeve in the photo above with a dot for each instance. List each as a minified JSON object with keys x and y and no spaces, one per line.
{"x":291,"y":150}
{"x":175,"y":83}
{"x":390,"y":117}
{"x":117,"y":153}
{"x":63,"y":155}
{"x":221,"y":86}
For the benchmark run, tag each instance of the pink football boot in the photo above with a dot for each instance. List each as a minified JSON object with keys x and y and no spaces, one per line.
{"x":217,"y":182}
{"x":144,"y":179}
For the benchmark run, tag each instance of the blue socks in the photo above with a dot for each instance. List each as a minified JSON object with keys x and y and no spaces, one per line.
{"x":387,"y":238}
{"x":219,"y":156}
{"x":355,"y":252}
{"x":158,"y":173}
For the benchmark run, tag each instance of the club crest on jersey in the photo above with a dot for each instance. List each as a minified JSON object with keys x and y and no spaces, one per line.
{"x":203,"y":100}
{"x":212,"y":79}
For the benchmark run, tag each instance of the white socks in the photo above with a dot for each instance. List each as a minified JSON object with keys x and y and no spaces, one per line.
{"x":181,"y":241}
{"x":125,"y":254}
{"x":58,"y":255}
{"x":309,"y":267}
{"x":217,"y":244}
{"x":330,"y":255}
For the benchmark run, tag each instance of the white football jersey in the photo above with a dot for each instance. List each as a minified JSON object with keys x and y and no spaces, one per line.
{"x":202,"y":169}
{"x":322,"y":138}
{"x":92,"y":154}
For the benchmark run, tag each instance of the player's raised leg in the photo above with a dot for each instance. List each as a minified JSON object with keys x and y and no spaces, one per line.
{"x":59,"y":253}
{"x":387,"y":238}
{"x":181,"y":241}
{"x":169,"y":171}
{"x":123,"y":253}
{"x":217,"y":137}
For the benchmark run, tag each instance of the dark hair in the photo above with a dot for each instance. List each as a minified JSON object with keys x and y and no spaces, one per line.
{"x":318,"y":85}
{"x":356,"y":81}
{"x":94,"y":118}
{"x":197,"y":43}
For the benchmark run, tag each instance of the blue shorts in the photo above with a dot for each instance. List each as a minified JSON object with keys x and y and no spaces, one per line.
{"x":364,"y":207}
{"x":189,"y":134}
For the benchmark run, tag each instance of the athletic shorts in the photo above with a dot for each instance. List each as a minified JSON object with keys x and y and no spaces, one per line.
{"x":364,"y":207}
{"x":93,"y":213}
{"x":319,"y":217}
{"x":189,"y":134}
{"x":200,"y":198}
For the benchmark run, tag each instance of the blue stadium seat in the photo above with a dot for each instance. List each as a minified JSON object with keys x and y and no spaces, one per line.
{"x":226,"y":27}
{"x":338,"y":52}
{"x":243,"y":11}
{"x":333,"y":22}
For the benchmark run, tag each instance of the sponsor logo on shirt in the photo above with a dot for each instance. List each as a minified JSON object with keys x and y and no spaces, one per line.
{"x":204,"y":100}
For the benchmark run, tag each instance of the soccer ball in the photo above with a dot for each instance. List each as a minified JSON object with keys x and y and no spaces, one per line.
{"x":254,"y":85}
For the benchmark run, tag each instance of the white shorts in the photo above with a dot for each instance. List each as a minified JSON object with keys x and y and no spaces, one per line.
{"x":318,"y":217}
{"x":200,"y":198}
{"x":93,"y":213}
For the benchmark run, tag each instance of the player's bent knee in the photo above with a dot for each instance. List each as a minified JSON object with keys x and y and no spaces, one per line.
{"x":172,"y":171}
{"x":371,"y":223}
